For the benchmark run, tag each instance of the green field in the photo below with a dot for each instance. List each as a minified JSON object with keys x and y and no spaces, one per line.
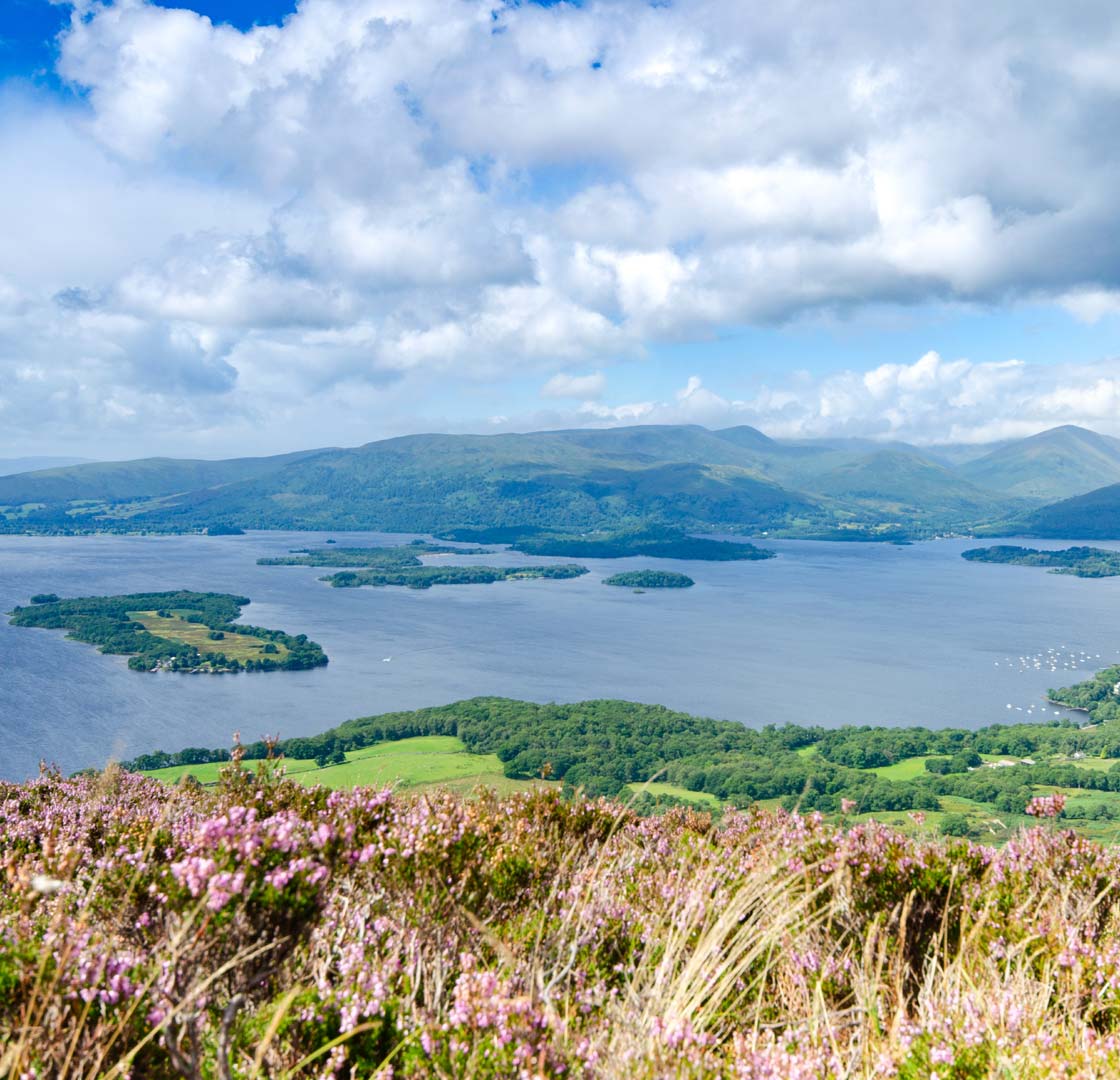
{"x":424,"y":761}
{"x":909,"y":768}
{"x":701,"y":798}
{"x":906,"y":769}
{"x":177,"y":627}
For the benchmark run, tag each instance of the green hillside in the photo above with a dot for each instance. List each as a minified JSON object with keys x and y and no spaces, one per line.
{"x":11,"y":466}
{"x":129,"y":480}
{"x":685,"y":476}
{"x":608,"y":747}
{"x":1093,"y":516}
{"x":902,"y":480}
{"x":435,"y":482}
{"x":1055,"y":464}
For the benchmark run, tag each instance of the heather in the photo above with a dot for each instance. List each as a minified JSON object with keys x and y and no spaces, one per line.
{"x":261,"y":928}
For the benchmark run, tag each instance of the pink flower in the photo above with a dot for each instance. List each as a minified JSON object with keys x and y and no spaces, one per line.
{"x":1047,"y":806}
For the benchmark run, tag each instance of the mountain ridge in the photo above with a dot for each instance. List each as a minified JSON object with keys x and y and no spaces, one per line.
{"x":737,"y":478}
{"x":1058,"y":463}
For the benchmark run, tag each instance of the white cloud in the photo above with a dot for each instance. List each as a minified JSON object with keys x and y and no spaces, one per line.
{"x":1092,"y":305}
{"x":581,"y":387}
{"x":930,"y":400}
{"x":381,"y":190}
{"x":633,"y":413}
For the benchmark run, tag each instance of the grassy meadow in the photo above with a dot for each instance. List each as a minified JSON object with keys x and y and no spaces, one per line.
{"x":177,"y":627}
{"x":423,"y":761}
{"x":428,"y":762}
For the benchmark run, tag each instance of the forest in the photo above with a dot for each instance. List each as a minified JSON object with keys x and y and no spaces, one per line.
{"x":111,"y":623}
{"x":652,"y":541}
{"x":1086,"y":562}
{"x":401,"y":565}
{"x":650,"y":579}
{"x":424,"y":577}
{"x":602,"y":747}
{"x":401,"y":555}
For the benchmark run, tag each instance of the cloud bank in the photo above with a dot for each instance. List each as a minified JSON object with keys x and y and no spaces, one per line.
{"x":303,"y":228}
{"x":929,"y":401}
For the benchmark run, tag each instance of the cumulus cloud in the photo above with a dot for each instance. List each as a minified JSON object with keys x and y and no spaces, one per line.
{"x":931,"y":400}
{"x":378,"y":192}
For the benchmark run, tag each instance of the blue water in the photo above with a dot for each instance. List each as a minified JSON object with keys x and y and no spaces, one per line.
{"x":825,"y":634}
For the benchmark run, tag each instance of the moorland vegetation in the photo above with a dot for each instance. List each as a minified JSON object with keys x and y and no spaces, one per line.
{"x":260,"y":928}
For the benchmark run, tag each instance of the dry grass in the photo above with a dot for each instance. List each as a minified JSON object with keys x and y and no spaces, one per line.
{"x":275,"y":931}
{"x":235,"y":646}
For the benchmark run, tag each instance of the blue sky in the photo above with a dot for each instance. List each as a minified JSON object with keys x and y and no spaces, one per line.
{"x":29,"y":28}
{"x":239,"y":233}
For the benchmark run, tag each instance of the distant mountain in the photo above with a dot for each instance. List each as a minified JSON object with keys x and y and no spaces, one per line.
{"x":668,"y":442}
{"x":9,"y":466}
{"x":1092,"y":516}
{"x":681,"y":475}
{"x":127,"y":480}
{"x":959,"y":453}
{"x":550,"y":479}
{"x":1055,"y":464}
{"x":903,"y":480}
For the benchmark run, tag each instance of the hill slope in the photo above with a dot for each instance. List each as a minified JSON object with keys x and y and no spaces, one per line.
{"x":1054,"y":464}
{"x":681,"y":475}
{"x":12,"y":466}
{"x":1093,"y":516}
{"x":904,"y":480}
{"x":145,"y":478}
{"x":430,"y":482}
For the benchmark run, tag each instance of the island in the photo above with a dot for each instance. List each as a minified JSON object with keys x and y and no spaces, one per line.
{"x":181,"y":631}
{"x":654,"y":541}
{"x":650,"y":579}
{"x":401,"y":565}
{"x":424,"y":577}
{"x":1086,"y":562}
{"x":400,"y":556}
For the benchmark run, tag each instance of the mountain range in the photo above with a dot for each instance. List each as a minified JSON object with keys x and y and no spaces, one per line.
{"x":9,"y":466}
{"x":735,"y":479}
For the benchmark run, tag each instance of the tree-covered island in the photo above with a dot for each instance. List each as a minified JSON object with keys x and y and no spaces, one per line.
{"x":424,"y":577}
{"x":173,"y":631}
{"x":402,"y":565}
{"x":649,"y":579}
{"x":1087,"y":562}
{"x":654,"y":541}
{"x":395,"y":557}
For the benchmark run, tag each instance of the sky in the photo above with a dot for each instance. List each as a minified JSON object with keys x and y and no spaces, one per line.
{"x":251,"y":226}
